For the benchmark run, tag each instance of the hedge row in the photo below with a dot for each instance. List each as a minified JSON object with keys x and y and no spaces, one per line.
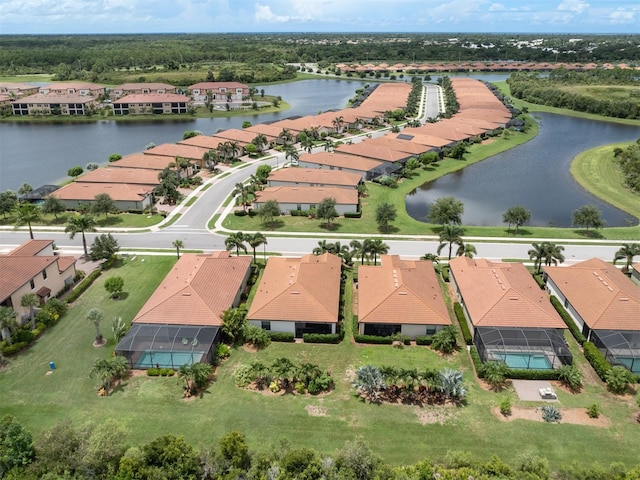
{"x":445,"y":273}
{"x":477,"y":361}
{"x":13,"y":348}
{"x":424,"y":340}
{"x":375,"y":339}
{"x":464,"y":326}
{"x":83,"y":285}
{"x":160,"y":372}
{"x":573,"y":328}
{"x":352,"y":214}
{"x":322,"y":337}
{"x":597,"y":360}
{"x":281,"y":337}
{"x":513,"y":373}
{"x":299,"y":213}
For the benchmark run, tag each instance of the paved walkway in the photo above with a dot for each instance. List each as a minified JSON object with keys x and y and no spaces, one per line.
{"x":529,"y":390}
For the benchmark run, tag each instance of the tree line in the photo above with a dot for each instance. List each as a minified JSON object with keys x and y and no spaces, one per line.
{"x":628,"y":160}
{"x":548,"y":91}
{"x":66,"y":451}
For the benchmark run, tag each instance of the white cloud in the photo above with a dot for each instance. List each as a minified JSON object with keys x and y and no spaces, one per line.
{"x":497,"y":7}
{"x":576,"y":6}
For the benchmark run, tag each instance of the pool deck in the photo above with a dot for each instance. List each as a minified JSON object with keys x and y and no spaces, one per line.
{"x":529,"y":390}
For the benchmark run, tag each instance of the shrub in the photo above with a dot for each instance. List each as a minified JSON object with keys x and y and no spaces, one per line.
{"x":573,"y":328}
{"x":424,"y":340}
{"x":160,"y":372}
{"x":13,"y":348}
{"x":464,"y":326}
{"x":551,"y":414}
{"x":222,"y":351}
{"x":375,"y":339}
{"x":532,"y":374}
{"x":300,"y":388}
{"x":352,"y":214}
{"x":243,"y":376}
{"x":83,"y":286}
{"x":444,"y":271}
{"x":477,"y":361}
{"x":320,"y":384}
{"x":495,"y":373}
{"x":571,"y":376}
{"x":593,"y":410}
{"x":239,"y":213}
{"x":445,"y":340}
{"x":618,"y":379}
{"x":597,"y":360}
{"x":321,"y":337}
{"x":24,"y":335}
{"x":257,"y":336}
{"x":299,"y":213}
{"x":281,"y":337}
{"x":505,"y":406}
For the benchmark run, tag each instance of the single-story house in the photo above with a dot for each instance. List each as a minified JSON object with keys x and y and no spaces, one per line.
{"x":313,"y":177}
{"x":190,"y":152}
{"x":203,"y":141}
{"x":243,"y":137}
{"x":41,"y":104}
{"x":140,"y":88}
{"x":132,"y":176}
{"x":400,"y":296}
{"x":305,"y":198}
{"x":38,"y":194}
{"x":219,"y":92}
{"x":400,"y":145}
{"x":510,"y":317}
{"x":365,"y":167}
{"x":144,"y":162}
{"x":33,"y":267}
{"x":126,"y":196}
{"x":180,"y":323}
{"x":298,"y":295}
{"x":272,"y":132}
{"x":151,"y":104}
{"x":604,"y":304}
{"x":374,"y":151}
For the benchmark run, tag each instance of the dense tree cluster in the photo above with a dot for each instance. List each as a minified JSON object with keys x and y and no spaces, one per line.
{"x":66,"y":451}
{"x":549,"y":91}
{"x":629,"y":161}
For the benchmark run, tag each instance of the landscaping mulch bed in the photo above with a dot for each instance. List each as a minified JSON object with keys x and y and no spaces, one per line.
{"x":575,"y":416}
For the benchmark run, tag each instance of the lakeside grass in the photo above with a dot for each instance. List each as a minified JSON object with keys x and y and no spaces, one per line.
{"x":149,"y":407}
{"x":596,"y":170}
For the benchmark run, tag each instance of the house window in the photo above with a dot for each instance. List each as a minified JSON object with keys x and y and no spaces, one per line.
{"x":298,"y":207}
{"x":32,"y":284}
{"x":431,"y":329}
{"x":44,"y":274}
{"x":265,"y":325}
{"x":313,"y":205}
{"x":566,"y":303}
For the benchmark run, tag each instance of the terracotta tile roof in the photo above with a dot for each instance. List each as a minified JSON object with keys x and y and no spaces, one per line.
{"x":233,"y":134}
{"x":64,"y":262}
{"x":136,"y":98}
{"x":371,"y":150}
{"x":303,"y":289}
{"x":270,"y":131}
{"x":440,"y":129}
{"x":400,"y":291}
{"x":59,"y":86}
{"x":601,"y":294}
{"x":142,"y":161}
{"x":217,"y":85}
{"x":30,"y":248}
{"x":139,"y":86}
{"x":178,"y":150}
{"x":341,"y":160}
{"x":502,"y":295}
{"x":400,"y":145}
{"x":133,"y":176}
{"x":203,"y":141}
{"x":427,"y":140}
{"x":316,"y":176}
{"x":197,"y":290}
{"x":55,"y":99}
{"x":636,"y":267}
{"x":88,"y":191}
{"x":300,"y":194}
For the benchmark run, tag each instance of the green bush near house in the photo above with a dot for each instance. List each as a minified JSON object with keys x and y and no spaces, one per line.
{"x":464,"y":326}
{"x":597,"y":360}
{"x":322,"y":337}
{"x":282,"y":337}
{"x":374,"y":339}
{"x":573,"y":328}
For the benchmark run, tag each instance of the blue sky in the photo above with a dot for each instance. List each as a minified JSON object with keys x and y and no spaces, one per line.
{"x":220,"y":16}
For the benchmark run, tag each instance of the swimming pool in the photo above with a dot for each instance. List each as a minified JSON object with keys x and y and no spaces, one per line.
{"x":527,"y":361}
{"x":167,"y":359}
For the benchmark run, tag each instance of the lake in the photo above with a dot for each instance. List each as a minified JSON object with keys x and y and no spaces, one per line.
{"x":40,"y":153}
{"x":535,"y":175}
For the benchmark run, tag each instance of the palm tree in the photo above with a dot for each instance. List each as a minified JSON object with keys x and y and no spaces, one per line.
{"x":95,"y":316}
{"x":8,"y":324}
{"x":431,"y":256}
{"x":627,"y":252}
{"x":26,"y":213}
{"x":307,"y":143}
{"x":358,"y":249}
{"x":254,"y":241}
{"x":244,"y":195}
{"x":553,"y":254}
{"x":81,"y":224}
{"x":537,"y":255}
{"x":338,"y":123}
{"x":376,"y":248}
{"x":236,"y":240}
{"x":178,"y":245}
{"x":261,"y":142}
{"x":467,"y":250}
{"x":30,"y":300}
{"x":329,"y":145}
{"x":292,"y":155}
{"x":286,"y":137}
{"x":449,"y":235}
{"x":211,"y":159}
{"x":323,"y":247}
{"x":255,"y":183}
{"x":282,"y":368}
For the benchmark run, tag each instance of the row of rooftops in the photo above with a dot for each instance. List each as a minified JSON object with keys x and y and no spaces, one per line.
{"x":475,"y":67}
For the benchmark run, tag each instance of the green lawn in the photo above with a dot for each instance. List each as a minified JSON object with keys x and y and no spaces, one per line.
{"x":597,"y":172}
{"x":605,"y":92}
{"x":121,"y":220}
{"x":149,"y":407}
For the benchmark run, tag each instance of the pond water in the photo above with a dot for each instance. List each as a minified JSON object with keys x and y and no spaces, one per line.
{"x":40,"y":153}
{"x":535,"y":175}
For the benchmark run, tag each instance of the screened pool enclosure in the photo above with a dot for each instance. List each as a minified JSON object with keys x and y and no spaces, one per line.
{"x":149,"y":345}
{"x":523,"y":348}
{"x":619,"y":347}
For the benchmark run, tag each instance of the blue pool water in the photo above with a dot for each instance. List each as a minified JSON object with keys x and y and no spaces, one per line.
{"x":524,"y":360}
{"x":167,"y":359}
{"x":630,"y":363}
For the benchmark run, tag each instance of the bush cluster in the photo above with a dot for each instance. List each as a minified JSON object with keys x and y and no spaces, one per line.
{"x":282,"y":337}
{"x":299,"y":213}
{"x":160,"y":372}
{"x":322,"y":337}
{"x":424,"y":340}
{"x":352,"y":214}
{"x":464,"y":326}
{"x":573,"y":328}
{"x":375,"y":339}
{"x":597,"y":360}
